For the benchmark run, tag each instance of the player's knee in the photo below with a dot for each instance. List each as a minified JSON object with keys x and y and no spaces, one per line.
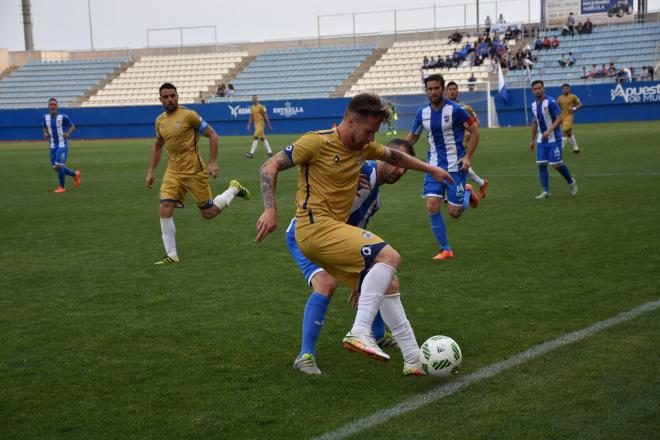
{"x":433,"y":205}
{"x":454,"y":211}
{"x":388,"y":256}
{"x":393,"y":287}
{"x":210,"y":213}
{"x":57,"y":167}
{"x":324,"y":283}
{"x":556,"y":166}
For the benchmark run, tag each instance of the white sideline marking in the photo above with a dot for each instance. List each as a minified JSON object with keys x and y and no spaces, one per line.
{"x":449,"y":388}
{"x":642,"y":174}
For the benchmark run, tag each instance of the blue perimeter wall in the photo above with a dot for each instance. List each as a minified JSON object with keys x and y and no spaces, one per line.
{"x":293,"y":116}
{"x":637,"y":101}
{"x":603,"y":103}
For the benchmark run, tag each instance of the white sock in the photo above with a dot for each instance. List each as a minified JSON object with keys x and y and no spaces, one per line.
{"x":374,"y":287}
{"x":225,"y":199}
{"x":267,"y":146}
{"x":575,"y":145}
{"x":478,"y":180}
{"x":394,"y":316}
{"x":169,"y":232}
{"x":254,"y":146}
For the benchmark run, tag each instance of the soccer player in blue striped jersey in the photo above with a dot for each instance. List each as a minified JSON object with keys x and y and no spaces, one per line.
{"x":446,"y":123}
{"x":546,"y":135}
{"x":366,"y":203}
{"x":57,"y":130}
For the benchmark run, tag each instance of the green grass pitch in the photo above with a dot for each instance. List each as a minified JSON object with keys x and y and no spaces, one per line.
{"x":96,"y":342}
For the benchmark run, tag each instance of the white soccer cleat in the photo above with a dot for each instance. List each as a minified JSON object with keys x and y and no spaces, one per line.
{"x":366,"y":345}
{"x":543,"y":195}
{"x":307,"y":364}
{"x":574,"y":187}
{"x":413,"y":369}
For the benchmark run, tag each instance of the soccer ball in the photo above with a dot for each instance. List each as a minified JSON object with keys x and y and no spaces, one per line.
{"x":440,"y":356}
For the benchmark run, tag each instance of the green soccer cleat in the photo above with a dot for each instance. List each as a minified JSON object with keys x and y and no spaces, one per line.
{"x":168,"y":260}
{"x":307,"y":364}
{"x":243,"y":192}
{"x":387,"y":341}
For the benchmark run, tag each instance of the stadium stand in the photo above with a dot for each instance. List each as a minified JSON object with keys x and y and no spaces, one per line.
{"x":630,"y":45}
{"x":299,"y":73}
{"x":191,"y":74}
{"x":32,"y":84}
{"x":397,"y":72}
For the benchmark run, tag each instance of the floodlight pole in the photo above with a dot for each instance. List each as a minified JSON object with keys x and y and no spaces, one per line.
{"x":478,"y":17}
{"x":89,"y":15}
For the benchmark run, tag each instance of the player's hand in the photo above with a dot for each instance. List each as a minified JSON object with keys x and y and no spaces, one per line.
{"x":363,"y":183}
{"x":441,"y":175}
{"x":213,"y":169}
{"x":354,"y":298}
{"x":150,"y":179}
{"x":270,"y":128}
{"x":531,"y":145}
{"x":66,"y":135}
{"x":464,"y":164}
{"x":546,"y":134}
{"x":248,"y":128}
{"x":266,"y":224}
{"x":46,"y":135}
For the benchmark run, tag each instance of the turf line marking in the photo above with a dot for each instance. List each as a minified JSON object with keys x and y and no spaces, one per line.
{"x":641,"y":174}
{"x":449,"y":388}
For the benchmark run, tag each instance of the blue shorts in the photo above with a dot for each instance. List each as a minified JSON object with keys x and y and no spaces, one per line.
{"x":308,"y":268}
{"x":550,"y":152}
{"x":454,"y":193}
{"x":58,"y":155}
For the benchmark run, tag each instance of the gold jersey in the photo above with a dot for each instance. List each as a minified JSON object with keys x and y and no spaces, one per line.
{"x":470,"y":111}
{"x":328,"y":174}
{"x":566,"y":103}
{"x":258,"y":111}
{"x":180,"y":130}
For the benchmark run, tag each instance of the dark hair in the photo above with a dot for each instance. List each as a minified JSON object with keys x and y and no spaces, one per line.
{"x":565,"y":85}
{"x":452,"y":83}
{"x":435,"y":77}
{"x":368,"y":105}
{"x":167,"y":86}
{"x":402,"y":143}
{"x":52,"y":99}
{"x":538,"y":81}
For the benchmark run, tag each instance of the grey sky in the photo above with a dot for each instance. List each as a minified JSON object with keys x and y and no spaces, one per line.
{"x":63,"y":24}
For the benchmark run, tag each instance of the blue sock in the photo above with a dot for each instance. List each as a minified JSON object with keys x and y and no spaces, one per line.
{"x":68,"y":172}
{"x":563,"y":170}
{"x":466,"y":199}
{"x":543,"y":175}
{"x":313,"y":319}
{"x":378,"y":327}
{"x":61,"y":174}
{"x":439,"y":230}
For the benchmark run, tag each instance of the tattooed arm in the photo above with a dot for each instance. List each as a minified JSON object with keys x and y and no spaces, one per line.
{"x":403,"y":160}
{"x":268,"y":220}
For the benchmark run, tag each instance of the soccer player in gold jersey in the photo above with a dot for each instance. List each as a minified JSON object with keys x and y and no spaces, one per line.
{"x":258,"y":115}
{"x":179,"y":128}
{"x":452,"y":93}
{"x":569,"y":104}
{"x":329,"y":164}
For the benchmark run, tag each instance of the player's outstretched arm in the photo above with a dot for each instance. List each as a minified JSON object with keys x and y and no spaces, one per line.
{"x":403,"y":160}
{"x":210,"y":133}
{"x":156,"y":152}
{"x":269,"y":170}
{"x":412,"y":138}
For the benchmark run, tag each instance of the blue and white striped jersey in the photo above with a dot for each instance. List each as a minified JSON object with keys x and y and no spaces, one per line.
{"x":445,"y":132}
{"x":56,"y":127}
{"x":366,"y":201}
{"x":545,"y":113}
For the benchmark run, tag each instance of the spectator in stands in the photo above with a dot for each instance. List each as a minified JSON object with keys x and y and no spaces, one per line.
{"x":230,"y":90}
{"x":425,"y":62}
{"x":538,"y":44}
{"x":221,"y":92}
{"x":594,"y":71}
{"x":585,"y":74}
{"x":588,"y":27}
{"x":569,"y":60}
{"x":432,"y":63}
{"x":555,"y":43}
{"x":488,"y":24}
{"x":547,"y":44}
{"x":612,"y":70}
{"x":604,"y":71}
{"x":201,"y":97}
{"x":570,"y":24}
{"x":471,"y":80}
{"x":456,"y":37}
{"x":501,"y":20}
{"x":579,"y":29}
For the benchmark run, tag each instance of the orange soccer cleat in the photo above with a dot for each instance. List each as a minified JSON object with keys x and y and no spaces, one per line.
{"x":482,"y":189}
{"x":76,"y":179}
{"x":444,"y":254}
{"x":474,"y":200}
{"x":60,"y":189}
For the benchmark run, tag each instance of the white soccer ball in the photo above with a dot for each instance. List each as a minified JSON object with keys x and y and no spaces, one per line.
{"x":440,"y":356}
